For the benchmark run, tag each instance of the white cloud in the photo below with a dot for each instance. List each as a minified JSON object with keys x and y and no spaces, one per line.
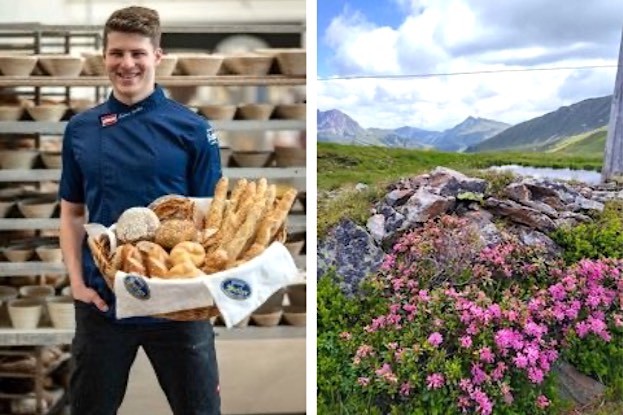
{"x":360,"y":45}
{"x":449,"y":36}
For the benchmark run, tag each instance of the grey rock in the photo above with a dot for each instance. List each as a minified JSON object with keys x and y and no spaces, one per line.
{"x":398,"y":196}
{"x":575,"y":386}
{"x":376,"y":227}
{"x":448,"y":182}
{"x":582,"y":203}
{"x":482,"y":223}
{"x":351,"y":251}
{"x":520,"y":214}
{"x":360,"y":187}
{"x":518,"y":192}
{"x":531,"y":237}
{"x":424,"y":205}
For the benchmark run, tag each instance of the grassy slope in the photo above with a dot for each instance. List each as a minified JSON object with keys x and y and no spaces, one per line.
{"x":589,"y":144}
{"x":340,"y":165}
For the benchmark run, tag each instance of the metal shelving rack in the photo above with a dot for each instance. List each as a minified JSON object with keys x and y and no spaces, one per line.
{"x":64,"y":38}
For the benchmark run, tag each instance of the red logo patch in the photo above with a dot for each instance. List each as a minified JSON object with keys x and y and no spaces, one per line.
{"x":108,"y":119}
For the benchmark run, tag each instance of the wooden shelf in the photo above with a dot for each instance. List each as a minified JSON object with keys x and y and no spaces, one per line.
{"x":217,"y":80}
{"x":46,"y":371}
{"x":57,"y":128}
{"x":61,"y":30}
{"x":296,"y":222}
{"x":49,"y":336}
{"x":235,"y":173}
{"x":31,"y":268}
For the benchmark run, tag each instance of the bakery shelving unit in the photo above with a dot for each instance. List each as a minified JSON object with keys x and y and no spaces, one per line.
{"x":285,"y":345}
{"x":37,"y":375}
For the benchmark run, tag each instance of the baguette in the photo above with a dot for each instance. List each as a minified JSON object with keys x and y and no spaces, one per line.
{"x":214,"y":216}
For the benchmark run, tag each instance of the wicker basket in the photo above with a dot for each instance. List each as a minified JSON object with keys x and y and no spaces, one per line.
{"x":64,"y":66}
{"x":100,"y":249}
{"x":166,"y":65}
{"x":199,"y":64}
{"x":15,"y":65}
{"x":254,"y":64}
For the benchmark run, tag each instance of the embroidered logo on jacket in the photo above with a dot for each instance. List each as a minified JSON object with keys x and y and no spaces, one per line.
{"x":212,"y":139}
{"x":108,"y":119}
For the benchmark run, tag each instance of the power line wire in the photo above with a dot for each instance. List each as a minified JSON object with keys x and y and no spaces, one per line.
{"x":492,"y":71}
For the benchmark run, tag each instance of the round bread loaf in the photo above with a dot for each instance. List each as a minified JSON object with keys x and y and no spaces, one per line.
{"x":174,"y":207}
{"x":137,"y":224}
{"x":172,"y":232}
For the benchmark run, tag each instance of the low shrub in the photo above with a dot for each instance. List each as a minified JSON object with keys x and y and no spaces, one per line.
{"x":602,"y":238}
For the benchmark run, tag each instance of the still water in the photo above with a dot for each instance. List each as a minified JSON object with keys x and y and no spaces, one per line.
{"x":586,"y":176}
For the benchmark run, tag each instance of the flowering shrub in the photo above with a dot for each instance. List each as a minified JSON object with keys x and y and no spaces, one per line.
{"x":436,"y":252}
{"x":477,"y":329}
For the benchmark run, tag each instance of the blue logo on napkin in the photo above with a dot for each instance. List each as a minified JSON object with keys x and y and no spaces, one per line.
{"x":236,"y":288}
{"x":137,"y":287}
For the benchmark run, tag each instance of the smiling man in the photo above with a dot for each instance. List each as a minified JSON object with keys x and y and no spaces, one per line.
{"x":135,"y":147}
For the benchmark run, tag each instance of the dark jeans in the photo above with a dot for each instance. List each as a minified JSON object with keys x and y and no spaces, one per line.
{"x":181,"y":353}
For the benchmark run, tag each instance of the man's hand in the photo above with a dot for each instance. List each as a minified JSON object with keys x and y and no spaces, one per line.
{"x":89,"y":296}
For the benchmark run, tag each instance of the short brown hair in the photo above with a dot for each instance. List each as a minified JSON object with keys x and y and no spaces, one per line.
{"x":134,"y":19}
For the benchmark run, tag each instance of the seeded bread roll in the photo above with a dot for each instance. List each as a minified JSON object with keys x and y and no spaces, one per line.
{"x":137,"y":224}
{"x":174,"y":231}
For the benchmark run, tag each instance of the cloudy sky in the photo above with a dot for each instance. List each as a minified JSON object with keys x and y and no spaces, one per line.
{"x":419,"y":37}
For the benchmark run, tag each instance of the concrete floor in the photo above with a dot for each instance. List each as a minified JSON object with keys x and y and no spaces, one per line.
{"x":284,"y":392}
{"x":144,"y":395}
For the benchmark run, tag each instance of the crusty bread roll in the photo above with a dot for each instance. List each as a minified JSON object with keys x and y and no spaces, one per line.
{"x":172,"y":232}
{"x":183,"y":270}
{"x":188,"y":251}
{"x":154,"y":258}
{"x":128,"y":259}
{"x":174,"y":207}
{"x":137,"y":224}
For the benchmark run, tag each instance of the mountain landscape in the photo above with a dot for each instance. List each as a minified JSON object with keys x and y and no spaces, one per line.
{"x":336,"y":127}
{"x":542,"y":132}
{"x":571,"y":129}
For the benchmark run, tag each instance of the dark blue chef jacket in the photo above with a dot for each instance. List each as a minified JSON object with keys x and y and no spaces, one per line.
{"x":117,"y":156}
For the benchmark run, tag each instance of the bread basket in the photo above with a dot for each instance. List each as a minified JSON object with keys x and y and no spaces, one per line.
{"x":105,"y":249}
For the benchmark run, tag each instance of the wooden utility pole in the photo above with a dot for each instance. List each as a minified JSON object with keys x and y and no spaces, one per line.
{"x":613,"y":156}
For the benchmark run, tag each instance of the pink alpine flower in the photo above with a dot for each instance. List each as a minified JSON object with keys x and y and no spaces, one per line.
{"x":466,"y":342}
{"x":542,"y":402}
{"x":435,"y":381}
{"x":405,"y":389}
{"x":435,"y":339}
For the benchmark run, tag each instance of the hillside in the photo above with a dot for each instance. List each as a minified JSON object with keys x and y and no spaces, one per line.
{"x":545,"y":131}
{"x":592,"y":143}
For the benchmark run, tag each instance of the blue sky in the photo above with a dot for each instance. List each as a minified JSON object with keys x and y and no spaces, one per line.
{"x":405,"y":37}
{"x":386,"y":13}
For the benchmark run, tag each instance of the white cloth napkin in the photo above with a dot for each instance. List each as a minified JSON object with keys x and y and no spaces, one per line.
{"x":237,"y":292}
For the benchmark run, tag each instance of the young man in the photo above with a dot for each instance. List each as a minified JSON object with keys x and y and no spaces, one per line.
{"x":126,"y":152}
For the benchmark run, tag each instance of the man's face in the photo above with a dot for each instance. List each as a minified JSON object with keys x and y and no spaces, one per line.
{"x":131,"y":61}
